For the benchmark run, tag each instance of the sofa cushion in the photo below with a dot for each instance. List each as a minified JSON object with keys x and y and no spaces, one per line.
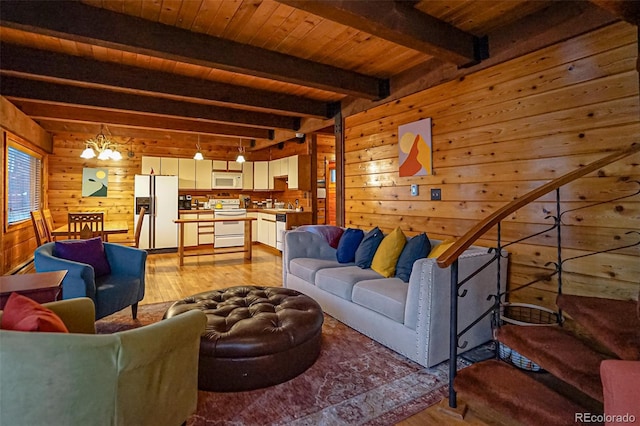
{"x":349,"y":242}
{"x":340,"y":281}
{"x":90,"y":252}
{"x":386,"y":256}
{"x":24,"y":314}
{"x":385,"y":296}
{"x":367,"y":248}
{"x":306,"y":267}
{"x":416,"y":248}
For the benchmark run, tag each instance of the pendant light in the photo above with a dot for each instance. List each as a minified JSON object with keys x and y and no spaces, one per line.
{"x":240,"y":158}
{"x":198,"y":155}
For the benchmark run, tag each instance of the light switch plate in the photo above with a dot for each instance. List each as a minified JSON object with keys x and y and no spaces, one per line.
{"x":436,"y":194}
{"x":414,"y":189}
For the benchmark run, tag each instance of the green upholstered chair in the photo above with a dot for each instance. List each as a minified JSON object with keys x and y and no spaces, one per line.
{"x":144,"y":376}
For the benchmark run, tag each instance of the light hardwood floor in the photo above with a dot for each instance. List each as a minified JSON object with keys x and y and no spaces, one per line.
{"x":167,"y":281}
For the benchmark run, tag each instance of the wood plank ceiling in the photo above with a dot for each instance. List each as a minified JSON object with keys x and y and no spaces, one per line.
{"x":254,"y":69}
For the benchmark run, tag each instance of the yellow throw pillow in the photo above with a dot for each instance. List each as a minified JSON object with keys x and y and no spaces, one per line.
{"x":388,"y":252}
{"x":441,"y":248}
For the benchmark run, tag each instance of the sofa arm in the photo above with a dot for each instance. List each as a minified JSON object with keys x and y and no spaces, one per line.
{"x":161,"y":357}
{"x":429,"y":285}
{"x":78,"y":315}
{"x":620,"y":386}
{"x":305,"y":244}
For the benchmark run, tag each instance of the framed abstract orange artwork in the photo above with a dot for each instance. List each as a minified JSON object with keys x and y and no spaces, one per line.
{"x":415,"y":151}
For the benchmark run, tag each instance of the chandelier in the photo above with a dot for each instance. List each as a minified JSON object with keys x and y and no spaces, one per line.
{"x":106,"y":149}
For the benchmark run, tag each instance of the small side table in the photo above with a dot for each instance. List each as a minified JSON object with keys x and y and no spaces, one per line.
{"x":42,"y":287}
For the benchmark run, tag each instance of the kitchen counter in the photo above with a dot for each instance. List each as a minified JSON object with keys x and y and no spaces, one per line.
{"x":276,"y":211}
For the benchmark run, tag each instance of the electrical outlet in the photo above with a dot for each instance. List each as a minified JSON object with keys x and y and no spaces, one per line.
{"x":414,"y":190}
{"x":436,"y":194}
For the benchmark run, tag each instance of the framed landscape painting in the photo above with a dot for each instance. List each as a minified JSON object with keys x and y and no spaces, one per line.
{"x":94,"y":182}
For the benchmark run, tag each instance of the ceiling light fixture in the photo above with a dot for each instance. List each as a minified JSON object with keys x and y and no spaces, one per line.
{"x":240,"y":158}
{"x":198,"y":155}
{"x":106,"y":148}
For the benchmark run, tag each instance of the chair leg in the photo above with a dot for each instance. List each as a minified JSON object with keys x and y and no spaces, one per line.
{"x":134,"y":310}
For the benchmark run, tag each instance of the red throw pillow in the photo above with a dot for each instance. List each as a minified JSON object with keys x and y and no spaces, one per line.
{"x":24,"y":314}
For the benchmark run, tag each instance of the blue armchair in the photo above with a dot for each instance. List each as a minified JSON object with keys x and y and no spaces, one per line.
{"x":123,"y":287}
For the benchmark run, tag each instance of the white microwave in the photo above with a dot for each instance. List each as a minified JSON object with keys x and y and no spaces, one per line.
{"x":226,"y":180}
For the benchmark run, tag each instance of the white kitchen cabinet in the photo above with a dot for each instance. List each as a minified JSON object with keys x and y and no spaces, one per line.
{"x":203,"y":174}
{"x":168,"y":166}
{"x":247,"y":175}
{"x":267,"y":229}
{"x":284,"y":167}
{"x":186,"y":173}
{"x":260,"y":175}
{"x":292,"y":181}
{"x":190,"y":230}
{"x":299,"y":172}
{"x":254,"y":227}
{"x":234,"y":166}
{"x":274,"y":168}
{"x":219,"y":165}
{"x":150,"y":164}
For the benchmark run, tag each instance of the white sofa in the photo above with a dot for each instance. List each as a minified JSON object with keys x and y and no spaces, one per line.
{"x":410,"y":318}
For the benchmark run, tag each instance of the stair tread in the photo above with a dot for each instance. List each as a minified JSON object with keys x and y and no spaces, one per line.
{"x":507,"y":390}
{"x":558,"y":352}
{"x":614,"y":323}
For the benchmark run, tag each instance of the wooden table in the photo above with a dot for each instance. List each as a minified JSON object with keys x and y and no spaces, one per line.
{"x":110,"y":227}
{"x":42,"y":287}
{"x":246,"y":248}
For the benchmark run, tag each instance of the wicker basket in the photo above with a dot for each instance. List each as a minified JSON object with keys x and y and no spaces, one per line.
{"x":526,"y":315}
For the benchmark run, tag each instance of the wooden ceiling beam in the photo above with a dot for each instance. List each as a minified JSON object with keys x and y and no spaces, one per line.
{"x":92,"y":129}
{"x":625,"y":9}
{"x":49,"y":66}
{"x":39,"y":110}
{"x":71,"y":20}
{"x":401,"y":23}
{"x":71,"y":95}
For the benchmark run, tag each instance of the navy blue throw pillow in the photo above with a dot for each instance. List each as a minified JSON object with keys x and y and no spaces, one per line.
{"x":368,"y":247}
{"x":416,"y":248}
{"x":349,"y":242}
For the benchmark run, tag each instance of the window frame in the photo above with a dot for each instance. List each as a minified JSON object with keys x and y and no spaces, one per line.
{"x":15,"y":142}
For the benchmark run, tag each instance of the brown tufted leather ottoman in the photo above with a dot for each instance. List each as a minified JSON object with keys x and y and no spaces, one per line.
{"x":255,"y":336}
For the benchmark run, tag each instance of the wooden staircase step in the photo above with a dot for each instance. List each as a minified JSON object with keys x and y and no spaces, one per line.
{"x":614,"y":323}
{"x":559,"y":353}
{"x":507,"y":392}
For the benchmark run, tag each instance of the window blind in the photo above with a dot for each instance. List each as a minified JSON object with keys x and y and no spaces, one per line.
{"x":24,"y":175}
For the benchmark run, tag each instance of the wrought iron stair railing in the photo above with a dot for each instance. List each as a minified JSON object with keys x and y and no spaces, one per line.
{"x":450,"y":257}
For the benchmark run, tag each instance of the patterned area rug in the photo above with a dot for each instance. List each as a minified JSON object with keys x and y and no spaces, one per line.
{"x":355,"y":381}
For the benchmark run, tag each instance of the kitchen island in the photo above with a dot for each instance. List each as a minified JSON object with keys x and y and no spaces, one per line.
{"x":246,"y":248}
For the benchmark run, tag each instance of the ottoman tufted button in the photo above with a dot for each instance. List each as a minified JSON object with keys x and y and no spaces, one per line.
{"x":255,"y":336}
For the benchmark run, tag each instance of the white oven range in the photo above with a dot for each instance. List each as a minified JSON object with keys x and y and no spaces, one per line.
{"x":229,"y":233}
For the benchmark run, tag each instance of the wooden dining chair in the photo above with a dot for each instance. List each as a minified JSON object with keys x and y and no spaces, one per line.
{"x":86,"y":225}
{"x":40,"y":227}
{"x":136,"y":236}
{"x":48,"y":220}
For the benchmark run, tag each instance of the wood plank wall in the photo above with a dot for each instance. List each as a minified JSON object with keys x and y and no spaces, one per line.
{"x":503,"y":131}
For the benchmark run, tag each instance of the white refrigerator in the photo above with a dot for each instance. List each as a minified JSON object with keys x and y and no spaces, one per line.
{"x":159,"y":195}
